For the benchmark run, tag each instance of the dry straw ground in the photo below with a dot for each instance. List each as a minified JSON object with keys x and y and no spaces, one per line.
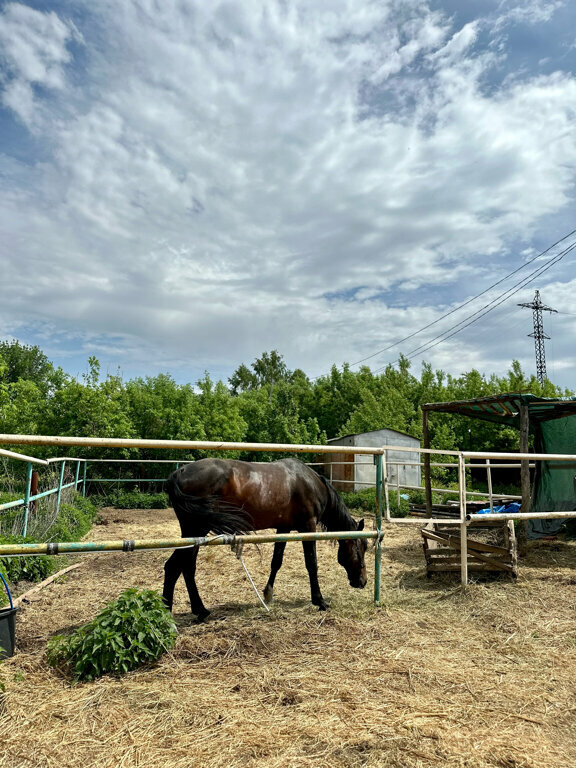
{"x":434,"y":677}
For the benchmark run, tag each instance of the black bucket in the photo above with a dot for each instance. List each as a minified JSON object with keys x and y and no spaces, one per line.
{"x":7,"y":632}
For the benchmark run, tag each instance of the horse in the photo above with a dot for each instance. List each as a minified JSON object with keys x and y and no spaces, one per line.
{"x":227,"y":496}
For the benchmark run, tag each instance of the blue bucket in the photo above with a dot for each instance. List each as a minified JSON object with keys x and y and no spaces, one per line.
{"x":7,"y":626}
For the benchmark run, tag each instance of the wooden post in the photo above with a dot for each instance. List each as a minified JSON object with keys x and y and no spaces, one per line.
{"x":427,"y":481}
{"x":33,"y":491}
{"x":524,"y":476}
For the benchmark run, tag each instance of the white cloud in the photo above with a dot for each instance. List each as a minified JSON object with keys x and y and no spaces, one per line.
{"x":224,"y":166}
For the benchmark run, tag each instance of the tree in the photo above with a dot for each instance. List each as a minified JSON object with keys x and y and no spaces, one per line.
{"x":28,"y":363}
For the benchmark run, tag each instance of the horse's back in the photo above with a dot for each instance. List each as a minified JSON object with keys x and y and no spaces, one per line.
{"x":279,"y":493}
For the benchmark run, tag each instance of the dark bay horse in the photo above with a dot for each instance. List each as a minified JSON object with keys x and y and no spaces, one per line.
{"x":229,"y":496}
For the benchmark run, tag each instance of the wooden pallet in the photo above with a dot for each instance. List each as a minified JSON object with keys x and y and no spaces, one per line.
{"x":441,"y":545}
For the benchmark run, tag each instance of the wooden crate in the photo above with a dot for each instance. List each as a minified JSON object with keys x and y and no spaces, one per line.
{"x":441,"y":545}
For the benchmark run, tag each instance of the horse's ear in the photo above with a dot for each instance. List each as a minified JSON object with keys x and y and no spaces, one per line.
{"x":360,"y":526}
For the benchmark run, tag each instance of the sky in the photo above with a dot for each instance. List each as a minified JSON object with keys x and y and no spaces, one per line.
{"x":185,"y":185}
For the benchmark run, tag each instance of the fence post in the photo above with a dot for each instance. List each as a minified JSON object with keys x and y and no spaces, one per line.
{"x":378,"y":553}
{"x":27,"y":498}
{"x":60,"y":482}
{"x":84,"y":477}
{"x":463,"y":526}
{"x":77,"y":475}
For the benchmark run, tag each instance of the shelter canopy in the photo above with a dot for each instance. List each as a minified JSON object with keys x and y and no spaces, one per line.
{"x":553,"y":423}
{"x":505,"y":408}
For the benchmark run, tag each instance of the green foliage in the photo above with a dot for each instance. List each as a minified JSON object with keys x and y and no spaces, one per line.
{"x":133,"y":630}
{"x":74,"y":520}
{"x":134,"y":500}
{"x":32,"y":568}
{"x":360,"y":502}
{"x":365,"y":502}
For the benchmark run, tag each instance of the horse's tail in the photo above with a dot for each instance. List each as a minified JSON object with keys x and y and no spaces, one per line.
{"x":198,"y":515}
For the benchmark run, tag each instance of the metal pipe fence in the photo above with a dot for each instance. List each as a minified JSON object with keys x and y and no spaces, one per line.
{"x":382,"y":490}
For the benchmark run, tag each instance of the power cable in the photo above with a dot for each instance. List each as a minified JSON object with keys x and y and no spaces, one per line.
{"x":464,"y":304}
{"x":474,"y":317}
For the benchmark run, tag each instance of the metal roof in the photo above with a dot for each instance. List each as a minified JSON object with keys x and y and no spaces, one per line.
{"x":505,"y":408}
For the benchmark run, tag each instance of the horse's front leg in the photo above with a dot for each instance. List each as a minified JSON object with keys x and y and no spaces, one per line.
{"x":312,"y":568}
{"x":275,"y":566}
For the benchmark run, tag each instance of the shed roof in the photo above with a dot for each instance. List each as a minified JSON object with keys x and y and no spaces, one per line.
{"x":505,"y":408}
{"x":373,"y":432}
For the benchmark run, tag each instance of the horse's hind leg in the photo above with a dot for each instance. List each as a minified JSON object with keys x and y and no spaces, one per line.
{"x":183,"y":561}
{"x":275,"y":566}
{"x":172,"y":571}
{"x":189,"y":573}
{"x":312,"y":568}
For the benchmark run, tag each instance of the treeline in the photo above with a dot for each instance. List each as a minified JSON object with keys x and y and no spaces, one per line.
{"x":263,"y":402}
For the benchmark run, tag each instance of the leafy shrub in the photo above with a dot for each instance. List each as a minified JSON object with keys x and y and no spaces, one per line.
{"x":32,"y":568}
{"x":133,"y":630}
{"x":363,"y":501}
{"x":134,"y":500}
{"x":74,"y":520}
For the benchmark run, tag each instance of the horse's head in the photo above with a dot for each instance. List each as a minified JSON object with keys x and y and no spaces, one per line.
{"x":351,"y":558}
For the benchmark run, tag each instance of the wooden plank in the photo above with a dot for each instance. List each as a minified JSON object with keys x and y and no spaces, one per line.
{"x":22,"y":598}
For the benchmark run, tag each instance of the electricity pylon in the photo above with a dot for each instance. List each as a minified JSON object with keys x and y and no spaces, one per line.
{"x":537,"y":308}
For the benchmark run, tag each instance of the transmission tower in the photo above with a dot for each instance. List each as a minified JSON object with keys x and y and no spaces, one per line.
{"x":537,"y":308}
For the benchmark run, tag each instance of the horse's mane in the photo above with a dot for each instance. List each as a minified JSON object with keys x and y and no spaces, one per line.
{"x":335,"y":516}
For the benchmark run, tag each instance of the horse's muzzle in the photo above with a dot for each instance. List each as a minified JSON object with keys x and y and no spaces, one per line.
{"x":358,"y":583}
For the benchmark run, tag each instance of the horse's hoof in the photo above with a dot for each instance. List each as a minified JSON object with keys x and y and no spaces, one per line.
{"x":268,"y":595}
{"x":202,"y":616}
{"x":322,"y":606}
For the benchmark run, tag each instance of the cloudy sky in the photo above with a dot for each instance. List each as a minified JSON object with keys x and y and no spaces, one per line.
{"x":187,"y":184}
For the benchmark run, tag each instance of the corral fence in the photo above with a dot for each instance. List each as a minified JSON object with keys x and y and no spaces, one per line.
{"x":382,"y":513}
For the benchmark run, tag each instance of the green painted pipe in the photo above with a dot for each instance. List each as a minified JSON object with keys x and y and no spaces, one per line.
{"x":29,"y":469}
{"x":128,"y":480}
{"x":60,"y":481}
{"x":134,"y":544}
{"x":20,"y":502}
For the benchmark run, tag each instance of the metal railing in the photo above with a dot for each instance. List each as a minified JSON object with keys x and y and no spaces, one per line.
{"x":382,"y":489}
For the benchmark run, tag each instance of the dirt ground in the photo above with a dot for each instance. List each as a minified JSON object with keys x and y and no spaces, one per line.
{"x":433,"y":677}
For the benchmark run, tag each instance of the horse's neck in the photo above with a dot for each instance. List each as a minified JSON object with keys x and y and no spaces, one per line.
{"x":336,"y":517}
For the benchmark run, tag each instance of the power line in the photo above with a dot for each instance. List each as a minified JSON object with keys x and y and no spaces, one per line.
{"x":475,"y":316}
{"x":464,"y":304}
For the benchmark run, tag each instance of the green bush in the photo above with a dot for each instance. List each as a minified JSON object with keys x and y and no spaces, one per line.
{"x":133,"y":630}
{"x":32,"y":568}
{"x":74,"y":520}
{"x":133,"y":500}
{"x":361,"y":502}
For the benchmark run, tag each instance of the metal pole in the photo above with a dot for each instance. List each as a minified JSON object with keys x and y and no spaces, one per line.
{"x":463,"y":527}
{"x":77,"y":475}
{"x":84,"y":477}
{"x":127,"y":545}
{"x":385,"y":487}
{"x":27,"y":498}
{"x":489,"y":476}
{"x":60,"y":482}
{"x":378,"y":551}
{"x":427,"y":479}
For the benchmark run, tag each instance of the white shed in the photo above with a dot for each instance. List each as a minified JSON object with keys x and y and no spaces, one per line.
{"x":349,"y":471}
